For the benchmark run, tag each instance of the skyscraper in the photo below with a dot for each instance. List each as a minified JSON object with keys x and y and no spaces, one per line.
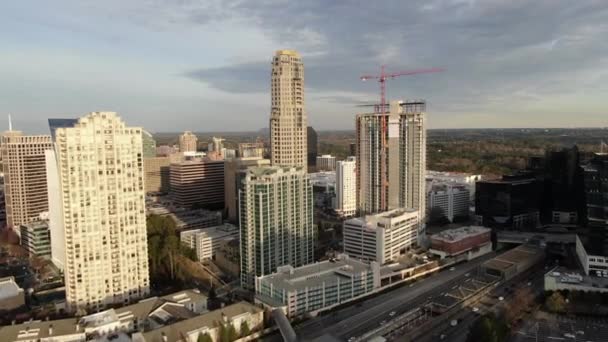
{"x":596,"y":188}
{"x":232,"y":179}
{"x":392,"y":176}
{"x":99,"y":173}
{"x":346,"y":187}
{"x":188,"y":142}
{"x":149,"y":144}
{"x":288,"y":122}
{"x":276,"y":220}
{"x":24,"y":168}
{"x":313,"y":144}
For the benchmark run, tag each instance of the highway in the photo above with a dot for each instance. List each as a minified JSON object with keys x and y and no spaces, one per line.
{"x":357,"y":319}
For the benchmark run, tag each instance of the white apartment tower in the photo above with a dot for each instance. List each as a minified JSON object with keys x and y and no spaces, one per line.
{"x":276,"y":220}
{"x":346,"y":187}
{"x":288,"y":124}
{"x":25,"y":186}
{"x":188,"y":142}
{"x":99,"y":166}
{"x":392,"y":176}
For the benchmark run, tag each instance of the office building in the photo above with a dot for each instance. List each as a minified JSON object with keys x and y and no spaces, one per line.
{"x":276,"y":221}
{"x":157,"y":174}
{"x":198,"y":181}
{"x":149,"y":144}
{"x":313,"y":147}
{"x":346,"y":187}
{"x":596,"y":188}
{"x":288,"y":128}
{"x":510,"y":203}
{"x":99,"y":173}
{"x":36,"y":238}
{"x":188,"y":142}
{"x":12,"y":297}
{"x":453,"y":242}
{"x":205,"y":242}
{"x":447,"y":201}
{"x":318,"y":286}
{"x":166,"y":150}
{"x":391,"y":162}
{"x":326,"y":162}
{"x":382,"y":237}
{"x":232,"y":178}
{"x":251,"y":150}
{"x":25,"y":188}
{"x":461,"y":178}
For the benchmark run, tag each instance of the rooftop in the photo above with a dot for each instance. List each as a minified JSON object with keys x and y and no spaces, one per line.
{"x":457,"y":234}
{"x":316,"y":274}
{"x":8,"y":288}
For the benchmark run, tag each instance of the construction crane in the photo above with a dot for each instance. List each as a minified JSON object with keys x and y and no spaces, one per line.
{"x":381,"y":109}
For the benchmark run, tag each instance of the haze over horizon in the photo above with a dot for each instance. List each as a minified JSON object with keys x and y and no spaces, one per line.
{"x":205,"y":65}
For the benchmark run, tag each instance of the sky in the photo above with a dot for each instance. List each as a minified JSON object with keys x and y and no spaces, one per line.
{"x":172,"y":65}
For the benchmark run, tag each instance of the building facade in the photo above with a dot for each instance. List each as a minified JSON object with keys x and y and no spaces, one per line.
{"x":326,"y":162}
{"x":206,"y":242}
{"x":25,"y":188}
{"x":288,"y":122}
{"x":313,"y":147}
{"x":232,"y":179}
{"x":318,"y":286}
{"x":381,"y":237}
{"x":157,"y":174}
{"x":276,"y":221}
{"x":251,"y":150}
{"x":596,"y":188}
{"x":36,"y":238}
{"x":198,"y":181}
{"x":101,"y":180}
{"x":346,"y":187}
{"x":149,"y":144}
{"x":188,"y":142}
{"x":448,"y":201}
{"x":391,"y":162}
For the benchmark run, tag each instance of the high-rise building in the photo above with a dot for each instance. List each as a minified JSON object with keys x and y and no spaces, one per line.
{"x":188,"y":142}
{"x":276,"y":220}
{"x":447,"y":201}
{"x":24,"y":168}
{"x":251,"y":150}
{"x":313,"y":147}
{"x":232,"y":179}
{"x":381,"y":237}
{"x":156,"y":174}
{"x":197,"y":181}
{"x":288,"y":123}
{"x":346,"y":187}
{"x":596,"y":188}
{"x":391,"y":158}
{"x":149,"y":144}
{"x":99,"y":172}
{"x":326,"y":162}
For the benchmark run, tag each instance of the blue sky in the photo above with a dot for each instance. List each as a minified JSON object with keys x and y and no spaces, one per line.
{"x":171,"y":65}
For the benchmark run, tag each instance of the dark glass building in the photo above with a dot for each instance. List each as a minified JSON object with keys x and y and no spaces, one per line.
{"x":596,"y":190}
{"x":311,"y":136}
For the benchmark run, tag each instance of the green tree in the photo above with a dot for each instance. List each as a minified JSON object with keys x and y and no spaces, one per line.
{"x":232,"y":334}
{"x":556,"y":302}
{"x":488,"y":329}
{"x":204,"y":338}
{"x":245,"y":331}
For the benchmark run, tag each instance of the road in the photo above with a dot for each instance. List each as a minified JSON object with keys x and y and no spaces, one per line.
{"x":357,"y":319}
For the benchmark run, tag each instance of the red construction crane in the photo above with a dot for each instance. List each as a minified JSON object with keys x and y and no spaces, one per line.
{"x":382,"y":109}
{"x":383,"y":77}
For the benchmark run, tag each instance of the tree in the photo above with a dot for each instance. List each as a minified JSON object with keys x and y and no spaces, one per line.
{"x":204,"y":338}
{"x":556,"y":302}
{"x":245,"y":331}
{"x":488,"y":329}
{"x":232,"y":334}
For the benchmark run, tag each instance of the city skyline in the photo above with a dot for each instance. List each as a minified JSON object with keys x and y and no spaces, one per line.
{"x":516,"y":68}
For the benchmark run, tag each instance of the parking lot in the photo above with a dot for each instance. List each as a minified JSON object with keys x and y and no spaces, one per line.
{"x":549,"y":327}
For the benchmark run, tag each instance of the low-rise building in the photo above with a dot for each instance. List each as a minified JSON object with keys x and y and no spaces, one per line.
{"x":453,"y":242}
{"x":36,"y":238}
{"x":515,"y":261}
{"x":11,"y":295}
{"x":207,"y":241}
{"x":318,"y":286}
{"x":445,"y":200}
{"x":196,"y":219}
{"x":381,"y":237}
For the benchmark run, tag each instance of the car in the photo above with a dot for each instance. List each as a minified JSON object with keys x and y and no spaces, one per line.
{"x":501,"y":298}
{"x":452,"y":268}
{"x":383,"y":323}
{"x":393,"y":313}
{"x":529,"y":283}
{"x":454,"y":323}
{"x":569,"y":335}
{"x":475,"y":309}
{"x":467,"y":274}
{"x":442,"y":336}
{"x":351,"y":339}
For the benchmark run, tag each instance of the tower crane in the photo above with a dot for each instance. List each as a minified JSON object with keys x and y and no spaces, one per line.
{"x":381,"y":109}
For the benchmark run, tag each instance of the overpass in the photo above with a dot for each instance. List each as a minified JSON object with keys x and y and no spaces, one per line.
{"x":525,"y":237}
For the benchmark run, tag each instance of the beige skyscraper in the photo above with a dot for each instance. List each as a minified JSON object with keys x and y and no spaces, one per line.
{"x":24,"y":170}
{"x":393,"y":177}
{"x":99,"y":173}
{"x":188,"y":142}
{"x":288,"y":121}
